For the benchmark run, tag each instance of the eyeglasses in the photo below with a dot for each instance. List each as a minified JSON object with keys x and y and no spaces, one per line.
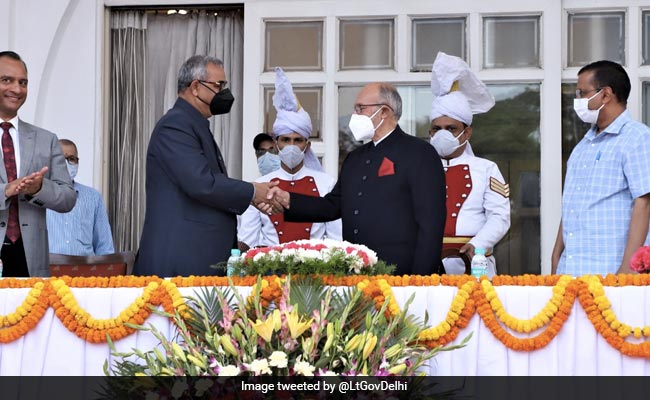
{"x":72,"y":159}
{"x":358,"y":108}
{"x":261,"y":152}
{"x":220,"y":84}
{"x":580,"y":93}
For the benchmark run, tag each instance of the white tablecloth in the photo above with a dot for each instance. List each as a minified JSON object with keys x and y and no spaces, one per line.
{"x":50,"y":349}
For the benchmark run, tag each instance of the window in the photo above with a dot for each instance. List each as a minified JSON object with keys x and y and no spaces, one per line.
{"x":294,"y":46}
{"x":596,"y":36}
{"x":645,"y":102}
{"x":366,"y":44}
{"x":431,"y":35}
{"x":573,"y":129}
{"x":646,"y":37}
{"x":511,"y":42}
{"x":311,"y":100}
{"x":509,"y":135}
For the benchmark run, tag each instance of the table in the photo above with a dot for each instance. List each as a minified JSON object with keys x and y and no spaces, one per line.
{"x":578,"y":349}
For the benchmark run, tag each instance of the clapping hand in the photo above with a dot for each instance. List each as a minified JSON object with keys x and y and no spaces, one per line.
{"x":29,"y":184}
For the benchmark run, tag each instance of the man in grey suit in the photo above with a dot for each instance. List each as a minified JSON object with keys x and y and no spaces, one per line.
{"x":190,"y":220}
{"x":33,"y":177}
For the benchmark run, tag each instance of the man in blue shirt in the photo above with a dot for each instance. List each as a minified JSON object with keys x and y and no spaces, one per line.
{"x":606,"y":199}
{"x":85,"y":230}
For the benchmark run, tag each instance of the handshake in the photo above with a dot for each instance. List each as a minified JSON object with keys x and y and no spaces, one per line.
{"x":269,"y":198}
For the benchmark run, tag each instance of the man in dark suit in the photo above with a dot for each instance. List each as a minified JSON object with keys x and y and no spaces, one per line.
{"x":33,"y":177}
{"x":190,"y":221}
{"x":390,"y":192}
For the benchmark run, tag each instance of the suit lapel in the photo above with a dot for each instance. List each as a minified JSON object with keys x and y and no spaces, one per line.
{"x":27,"y":138}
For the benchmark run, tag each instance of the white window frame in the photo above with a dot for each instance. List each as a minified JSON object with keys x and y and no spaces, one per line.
{"x":331,"y":78}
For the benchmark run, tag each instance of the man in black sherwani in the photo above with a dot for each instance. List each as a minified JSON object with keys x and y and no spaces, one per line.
{"x":390,"y":193}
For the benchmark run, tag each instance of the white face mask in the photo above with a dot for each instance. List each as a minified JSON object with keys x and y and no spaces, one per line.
{"x":291,"y":155}
{"x":581,"y":107}
{"x":268,"y":163}
{"x":445,"y":143}
{"x":362,"y":127}
{"x":72,"y":169}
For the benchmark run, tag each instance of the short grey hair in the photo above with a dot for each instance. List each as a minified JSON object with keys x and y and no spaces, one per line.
{"x":389,"y":95}
{"x":195,"y":68}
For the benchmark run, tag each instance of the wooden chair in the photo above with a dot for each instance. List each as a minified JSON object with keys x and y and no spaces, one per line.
{"x":449,"y":252}
{"x":106,"y":265}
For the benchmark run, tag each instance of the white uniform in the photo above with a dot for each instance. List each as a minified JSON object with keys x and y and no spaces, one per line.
{"x":258,"y":229}
{"x":478,"y":206}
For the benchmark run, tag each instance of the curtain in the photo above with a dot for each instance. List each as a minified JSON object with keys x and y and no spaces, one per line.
{"x":146,"y":57}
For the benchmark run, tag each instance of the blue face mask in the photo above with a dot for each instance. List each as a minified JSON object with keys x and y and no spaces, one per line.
{"x":72,"y":169}
{"x":268,"y":163}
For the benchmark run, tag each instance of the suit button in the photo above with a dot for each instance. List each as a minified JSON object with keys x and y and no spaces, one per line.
{"x":3,"y":224}
{"x":355,"y":231}
{"x":356,"y":212}
{"x":360,"y":194}
{"x":367,"y":162}
{"x":363,"y":178}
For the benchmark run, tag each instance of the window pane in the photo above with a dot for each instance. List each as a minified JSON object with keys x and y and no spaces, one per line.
{"x":508,"y":135}
{"x":309,"y":97}
{"x":366,"y":44}
{"x":510,"y":42}
{"x":294,"y":46}
{"x":646,"y":103}
{"x":433,"y":35}
{"x":596,"y":36}
{"x":573,"y":129}
{"x":646,"y":37}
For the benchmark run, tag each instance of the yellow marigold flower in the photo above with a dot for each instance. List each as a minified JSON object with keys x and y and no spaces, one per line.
{"x":12,"y":319}
{"x":637,"y":333}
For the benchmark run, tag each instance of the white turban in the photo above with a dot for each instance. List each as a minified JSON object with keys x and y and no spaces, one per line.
{"x":457,"y":91}
{"x":291,"y":117}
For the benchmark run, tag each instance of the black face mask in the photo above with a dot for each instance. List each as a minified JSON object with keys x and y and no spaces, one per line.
{"x":221,"y":103}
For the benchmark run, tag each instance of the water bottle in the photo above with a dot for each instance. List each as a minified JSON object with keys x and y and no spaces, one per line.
{"x":1,"y":268}
{"x":232,"y":261}
{"x":479,"y":263}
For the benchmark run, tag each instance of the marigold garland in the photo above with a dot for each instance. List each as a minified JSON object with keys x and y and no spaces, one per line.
{"x":471,"y":298}
{"x":592,"y":298}
{"x":458,"y":316}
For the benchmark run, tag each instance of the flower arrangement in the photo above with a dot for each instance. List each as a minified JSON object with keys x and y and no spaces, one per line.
{"x":311,"y":331}
{"x":640,"y":261}
{"x":327,"y":256}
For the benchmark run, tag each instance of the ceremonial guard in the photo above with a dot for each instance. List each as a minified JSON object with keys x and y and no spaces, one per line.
{"x":299,"y":172}
{"x":478,"y":199}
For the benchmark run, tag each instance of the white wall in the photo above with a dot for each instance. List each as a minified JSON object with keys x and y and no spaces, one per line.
{"x":58,"y":41}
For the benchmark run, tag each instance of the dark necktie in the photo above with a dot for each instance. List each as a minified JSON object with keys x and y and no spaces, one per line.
{"x":13,"y":226}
